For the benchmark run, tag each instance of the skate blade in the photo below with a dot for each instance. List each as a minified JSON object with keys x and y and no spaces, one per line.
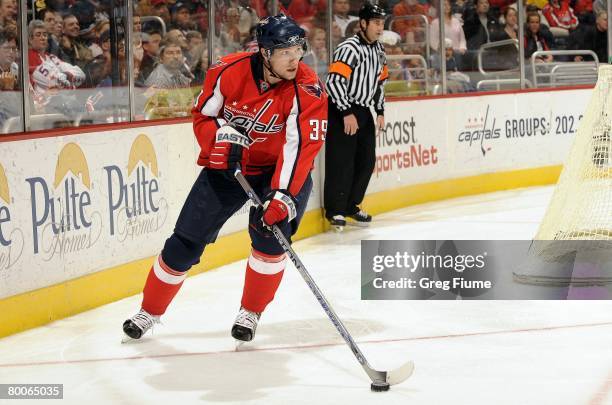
{"x":358,"y":224}
{"x":337,"y":228}
{"x":239,"y":344}
{"x":126,"y":339}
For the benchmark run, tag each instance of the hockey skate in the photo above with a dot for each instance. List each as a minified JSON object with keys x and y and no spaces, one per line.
{"x":360,"y":218}
{"x":337,"y":222}
{"x":245,"y":326}
{"x":138,"y":325}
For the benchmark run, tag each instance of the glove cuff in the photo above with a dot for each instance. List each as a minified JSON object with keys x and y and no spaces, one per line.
{"x":229,"y":134}
{"x":289,"y":203}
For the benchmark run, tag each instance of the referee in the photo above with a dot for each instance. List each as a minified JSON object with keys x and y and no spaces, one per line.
{"x":354,"y":84}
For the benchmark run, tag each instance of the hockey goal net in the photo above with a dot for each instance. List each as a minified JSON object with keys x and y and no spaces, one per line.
{"x":579,"y":217}
{"x":581,"y":206}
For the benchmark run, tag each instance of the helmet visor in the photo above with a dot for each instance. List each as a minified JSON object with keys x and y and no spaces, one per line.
{"x":290,"y":53}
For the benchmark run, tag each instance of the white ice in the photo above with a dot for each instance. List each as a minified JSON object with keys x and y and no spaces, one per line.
{"x":465,"y":352}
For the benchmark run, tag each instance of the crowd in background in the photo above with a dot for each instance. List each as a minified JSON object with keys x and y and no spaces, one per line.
{"x":80,"y":44}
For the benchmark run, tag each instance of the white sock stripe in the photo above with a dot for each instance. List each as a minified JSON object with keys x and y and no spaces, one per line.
{"x":167,"y":268}
{"x":167,"y":275}
{"x":267,"y":267}
{"x":267,"y":258}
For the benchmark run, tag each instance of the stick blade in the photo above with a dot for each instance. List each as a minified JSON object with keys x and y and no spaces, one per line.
{"x":400,"y":374}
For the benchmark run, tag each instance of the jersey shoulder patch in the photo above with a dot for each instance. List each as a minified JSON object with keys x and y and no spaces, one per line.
{"x":309,"y":82}
{"x":315,"y":90}
{"x":229,"y":59}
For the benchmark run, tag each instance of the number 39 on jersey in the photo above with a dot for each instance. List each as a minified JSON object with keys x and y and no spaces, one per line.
{"x":318,"y":129}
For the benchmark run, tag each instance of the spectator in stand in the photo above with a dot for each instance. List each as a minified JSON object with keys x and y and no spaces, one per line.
{"x":138,"y":54}
{"x":453,"y":31}
{"x":352,"y":28}
{"x":584,"y":11}
{"x":200,"y":16}
{"x":100,"y":28}
{"x":499,"y":7}
{"x":121,"y":80}
{"x":341,"y":15}
{"x":10,"y":84}
{"x":408,"y":8}
{"x":75,"y":50}
{"x":430,"y":8}
{"x":54,"y":30}
{"x":230,"y":38}
{"x":99,"y":68}
{"x":559,"y":14}
{"x":478,"y":24}
{"x":201,"y":65}
{"x":302,"y":11}
{"x":150,"y":45}
{"x":457,"y":82}
{"x":159,"y":8}
{"x":38,"y":41}
{"x":544,"y":30}
{"x":317,"y":57}
{"x":592,"y":37}
{"x":47,"y":72}
{"x":177,"y":36}
{"x":599,"y":6}
{"x":194,"y":39}
{"x":261,"y":7}
{"x":59,"y":26}
{"x":534,"y":41}
{"x":458,"y":7}
{"x":337,"y":33}
{"x":250,"y":44}
{"x":100,"y":74}
{"x":8,"y":12}
{"x":170,"y":94}
{"x":510,"y":28}
{"x":169,"y":73}
{"x":397,"y":68}
{"x":318,"y":42}
{"x":85,"y":12}
{"x":248,"y":18}
{"x":181,"y":17}
{"x":9,"y":70}
{"x":194,"y":43}
{"x":136,"y":23}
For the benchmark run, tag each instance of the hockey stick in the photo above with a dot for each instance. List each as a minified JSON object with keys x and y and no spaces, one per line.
{"x":380,"y":379}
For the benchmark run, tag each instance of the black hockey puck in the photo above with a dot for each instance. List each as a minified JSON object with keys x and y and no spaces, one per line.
{"x":379,"y":386}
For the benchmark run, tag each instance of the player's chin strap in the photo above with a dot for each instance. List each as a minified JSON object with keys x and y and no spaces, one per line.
{"x":268,"y":65}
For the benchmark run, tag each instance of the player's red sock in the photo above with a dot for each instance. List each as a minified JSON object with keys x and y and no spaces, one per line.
{"x":162,"y":285}
{"x":263,"y":276}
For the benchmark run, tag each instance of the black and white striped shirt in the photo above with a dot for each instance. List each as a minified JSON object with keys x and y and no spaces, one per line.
{"x":357,"y":75}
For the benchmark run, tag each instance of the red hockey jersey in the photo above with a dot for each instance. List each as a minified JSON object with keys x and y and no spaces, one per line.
{"x":286,"y":122}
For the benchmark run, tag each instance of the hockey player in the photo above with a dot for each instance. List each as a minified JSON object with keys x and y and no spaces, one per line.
{"x":267,"y":112}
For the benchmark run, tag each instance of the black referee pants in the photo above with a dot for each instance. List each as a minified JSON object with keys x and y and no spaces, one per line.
{"x":349,"y":161}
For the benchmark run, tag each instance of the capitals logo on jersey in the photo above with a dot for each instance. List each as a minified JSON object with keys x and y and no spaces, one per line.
{"x":253,"y":122}
{"x":314,"y":90}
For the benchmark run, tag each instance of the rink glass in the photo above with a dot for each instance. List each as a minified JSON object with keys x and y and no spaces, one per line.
{"x":119,"y":45}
